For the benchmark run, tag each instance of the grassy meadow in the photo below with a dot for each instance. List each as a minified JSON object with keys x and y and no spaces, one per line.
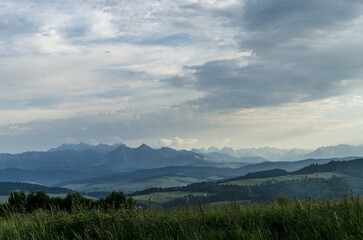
{"x":162,"y":197}
{"x":257,"y":181}
{"x":165,"y":181}
{"x":281,"y":220}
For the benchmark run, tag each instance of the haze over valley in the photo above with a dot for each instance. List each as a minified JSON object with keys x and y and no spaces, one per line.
{"x":104,"y":168}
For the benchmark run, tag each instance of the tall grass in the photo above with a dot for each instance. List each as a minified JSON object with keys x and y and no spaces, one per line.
{"x":294,"y":220}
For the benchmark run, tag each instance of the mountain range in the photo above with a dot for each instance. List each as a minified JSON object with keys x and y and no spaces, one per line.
{"x":118,"y":157}
{"x":272,"y":154}
{"x":85,"y":167}
{"x":276,"y":154}
{"x":101,"y":148}
{"x":342,"y":150}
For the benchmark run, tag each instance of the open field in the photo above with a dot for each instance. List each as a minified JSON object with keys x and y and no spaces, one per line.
{"x":297,"y":220}
{"x":162,"y":197}
{"x":165,"y":181}
{"x":256,"y":181}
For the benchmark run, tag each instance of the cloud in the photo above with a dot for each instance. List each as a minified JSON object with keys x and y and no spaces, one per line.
{"x":131,"y":128}
{"x":67,"y":140}
{"x":66,"y":56}
{"x":284,"y":20}
{"x":140,"y":71}
{"x":357,"y":100}
{"x":299,"y":51}
{"x":177,"y":142}
{"x":310,"y":124}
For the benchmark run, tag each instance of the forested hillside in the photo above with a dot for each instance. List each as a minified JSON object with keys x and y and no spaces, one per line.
{"x":326,"y":181}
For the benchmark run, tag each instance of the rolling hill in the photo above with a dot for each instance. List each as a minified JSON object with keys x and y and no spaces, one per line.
{"x":7,"y":187}
{"x":288,"y":166}
{"x":221,"y":157}
{"x":146,"y":178}
{"x":177,"y":176}
{"x":318,"y":181}
{"x":51,"y":176}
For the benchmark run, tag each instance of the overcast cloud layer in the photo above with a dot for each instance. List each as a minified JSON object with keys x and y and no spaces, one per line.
{"x":181,"y":73}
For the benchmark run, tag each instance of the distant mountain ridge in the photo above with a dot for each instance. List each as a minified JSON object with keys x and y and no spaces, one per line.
{"x":276,"y":154}
{"x":147,"y":157}
{"x":342,"y":150}
{"x":67,"y":158}
{"x":80,"y":163}
{"x":222,"y":157}
{"x":268,"y":153}
{"x":101,"y":148}
{"x":118,"y":157}
{"x":248,"y":155}
{"x":122,"y":157}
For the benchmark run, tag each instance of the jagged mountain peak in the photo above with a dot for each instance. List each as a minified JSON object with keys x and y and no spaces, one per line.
{"x":101,"y":148}
{"x":144,"y":146}
{"x":341,"y":150}
{"x":77,"y":147}
{"x":146,"y":157}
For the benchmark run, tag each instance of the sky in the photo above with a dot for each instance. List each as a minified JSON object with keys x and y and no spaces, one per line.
{"x":181,"y":73}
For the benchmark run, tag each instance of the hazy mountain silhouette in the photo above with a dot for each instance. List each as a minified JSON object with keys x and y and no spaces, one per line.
{"x":120,"y":157}
{"x":268,"y":153}
{"x":101,"y":148}
{"x":222,"y":157}
{"x":68,"y":158}
{"x":342,"y":150}
{"x":73,"y":163}
{"x":147,"y":157}
{"x":276,"y":154}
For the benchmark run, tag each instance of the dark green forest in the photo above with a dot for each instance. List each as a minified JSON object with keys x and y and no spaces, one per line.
{"x":21,"y":202}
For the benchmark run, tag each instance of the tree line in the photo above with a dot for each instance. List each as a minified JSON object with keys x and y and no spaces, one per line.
{"x":21,"y":202}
